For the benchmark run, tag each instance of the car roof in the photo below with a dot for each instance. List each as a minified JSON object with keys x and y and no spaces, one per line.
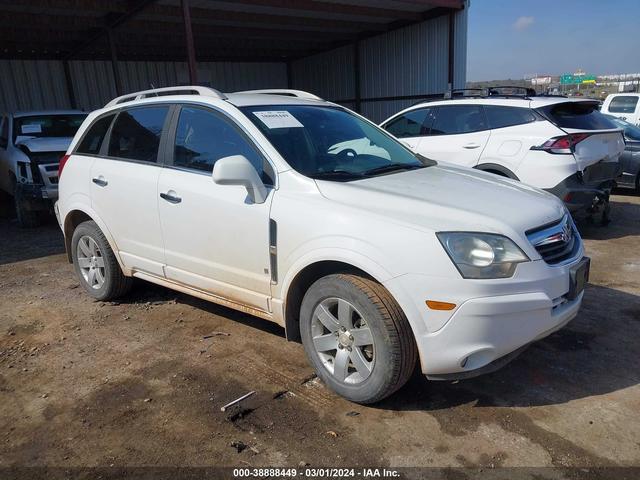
{"x":259,"y":99}
{"x":33,"y":113}
{"x":624,"y":94}
{"x":240,"y":99}
{"x":528,"y":102}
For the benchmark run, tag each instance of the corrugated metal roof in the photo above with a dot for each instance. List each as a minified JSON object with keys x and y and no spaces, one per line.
{"x":239,"y":30}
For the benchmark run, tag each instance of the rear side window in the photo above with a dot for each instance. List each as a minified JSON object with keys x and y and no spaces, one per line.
{"x":412,"y":124}
{"x":204,"y":137}
{"x":136,"y":134}
{"x":579,"y":115}
{"x":92,"y":140}
{"x":623,"y":104}
{"x":500,"y":117}
{"x":457,"y":119}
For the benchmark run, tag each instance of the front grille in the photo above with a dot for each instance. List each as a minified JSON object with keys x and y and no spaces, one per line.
{"x":557,"y":243}
{"x":46,"y":157}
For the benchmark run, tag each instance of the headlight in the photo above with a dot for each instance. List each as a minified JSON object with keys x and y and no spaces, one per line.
{"x":482,"y":255}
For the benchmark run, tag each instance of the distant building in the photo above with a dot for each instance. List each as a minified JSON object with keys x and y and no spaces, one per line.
{"x":542,"y":80}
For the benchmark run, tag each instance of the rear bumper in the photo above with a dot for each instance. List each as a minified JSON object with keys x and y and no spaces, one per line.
{"x":580,"y":190}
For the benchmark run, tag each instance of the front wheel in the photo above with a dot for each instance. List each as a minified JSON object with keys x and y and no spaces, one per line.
{"x":96,"y":265}
{"x":357,"y":337}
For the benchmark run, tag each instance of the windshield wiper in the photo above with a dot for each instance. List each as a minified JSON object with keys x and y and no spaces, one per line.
{"x":343,"y":175}
{"x":391,"y":168}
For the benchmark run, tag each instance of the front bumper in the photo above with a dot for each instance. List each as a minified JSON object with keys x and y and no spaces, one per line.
{"x":492,"y":319}
{"x":38,"y":191}
{"x":484,"y":330}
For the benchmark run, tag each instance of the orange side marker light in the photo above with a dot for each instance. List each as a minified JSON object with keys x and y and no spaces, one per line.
{"x":435,"y":305}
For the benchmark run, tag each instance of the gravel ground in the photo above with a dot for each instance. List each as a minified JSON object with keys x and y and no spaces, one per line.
{"x":135,"y":383}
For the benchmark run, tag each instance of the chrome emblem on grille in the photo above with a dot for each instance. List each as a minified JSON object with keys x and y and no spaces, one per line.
{"x":560,"y":233}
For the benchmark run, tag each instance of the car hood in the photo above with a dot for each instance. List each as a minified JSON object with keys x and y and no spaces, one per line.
{"x":449,"y":198}
{"x":45,"y":144}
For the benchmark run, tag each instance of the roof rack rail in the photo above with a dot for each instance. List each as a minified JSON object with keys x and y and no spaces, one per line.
{"x":286,"y":92}
{"x":159,"y":92}
{"x":511,"y":90}
{"x":466,"y":93}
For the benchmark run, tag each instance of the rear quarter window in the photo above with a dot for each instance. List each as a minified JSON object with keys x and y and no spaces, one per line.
{"x":92,"y":140}
{"x":623,"y":104}
{"x":578,"y":115}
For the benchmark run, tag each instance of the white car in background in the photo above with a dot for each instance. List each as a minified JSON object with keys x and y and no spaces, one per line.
{"x":31,"y":145}
{"x":561,"y":145}
{"x":304,"y":213}
{"x":625,"y":106}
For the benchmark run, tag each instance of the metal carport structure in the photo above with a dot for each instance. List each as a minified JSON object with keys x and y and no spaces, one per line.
{"x":373,"y":56}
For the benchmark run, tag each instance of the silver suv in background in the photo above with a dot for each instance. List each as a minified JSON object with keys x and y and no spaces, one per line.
{"x":31,"y":145}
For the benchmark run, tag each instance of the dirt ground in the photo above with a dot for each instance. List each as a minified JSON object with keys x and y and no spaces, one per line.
{"x":135,"y":383}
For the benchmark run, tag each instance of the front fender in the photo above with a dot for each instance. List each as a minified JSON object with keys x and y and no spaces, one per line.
{"x":348,"y":256}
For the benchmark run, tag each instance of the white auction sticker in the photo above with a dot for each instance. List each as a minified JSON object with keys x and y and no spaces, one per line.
{"x":278,"y":119}
{"x":33,"y":128}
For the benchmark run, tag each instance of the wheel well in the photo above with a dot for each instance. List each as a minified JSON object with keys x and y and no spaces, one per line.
{"x":73,"y":219}
{"x":301,"y":283}
{"x":497,"y":170}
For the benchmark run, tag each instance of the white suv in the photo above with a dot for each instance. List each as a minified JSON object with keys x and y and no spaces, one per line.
{"x":564,"y":146}
{"x":303,"y":213}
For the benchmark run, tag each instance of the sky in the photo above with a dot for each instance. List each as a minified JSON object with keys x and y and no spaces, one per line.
{"x":514,"y":38}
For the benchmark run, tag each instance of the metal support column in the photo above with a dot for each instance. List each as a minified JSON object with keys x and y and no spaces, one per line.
{"x":356,"y":76}
{"x":452,"y":47}
{"x":69,"y":81}
{"x":191,"y":51}
{"x":114,"y":62}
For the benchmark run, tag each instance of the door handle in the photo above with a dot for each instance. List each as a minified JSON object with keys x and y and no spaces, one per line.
{"x":100,"y":181}
{"x":170,"y":197}
{"x":471,"y":145}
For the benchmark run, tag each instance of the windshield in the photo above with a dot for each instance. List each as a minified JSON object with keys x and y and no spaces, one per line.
{"x":330,"y":143}
{"x":47,"y":125}
{"x":630,"y":131}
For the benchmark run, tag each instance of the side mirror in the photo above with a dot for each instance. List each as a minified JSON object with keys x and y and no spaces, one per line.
{"x":237,"y":170}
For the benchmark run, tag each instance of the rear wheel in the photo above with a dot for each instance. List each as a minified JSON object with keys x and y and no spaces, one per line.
{"x":96,"y":265}
{"x":357,"y":337}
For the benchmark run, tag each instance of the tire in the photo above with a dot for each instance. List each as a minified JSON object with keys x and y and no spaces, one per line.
{"x":27,"y":216}
{"x":95,"y":264}
{"x":357,"y":304}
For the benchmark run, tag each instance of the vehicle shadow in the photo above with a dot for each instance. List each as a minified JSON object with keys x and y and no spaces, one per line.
{"x":625,"y":220}
{"x":18,"y":244}
{"x":595,"y":354}
{"x":146,"y":292}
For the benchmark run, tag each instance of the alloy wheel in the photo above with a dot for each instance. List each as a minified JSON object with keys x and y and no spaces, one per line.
{"x":91,"y":262}
{"x":343,"y":340}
